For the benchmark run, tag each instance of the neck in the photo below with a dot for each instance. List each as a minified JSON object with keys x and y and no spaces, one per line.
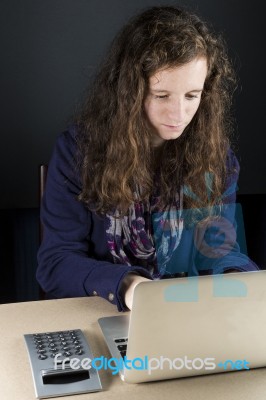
{"x":157,"y":154}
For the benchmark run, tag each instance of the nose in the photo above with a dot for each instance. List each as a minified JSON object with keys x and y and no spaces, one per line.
{"x":176,"y":110}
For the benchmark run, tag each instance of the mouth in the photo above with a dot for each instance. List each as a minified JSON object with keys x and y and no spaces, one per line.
{"x":174,"y":127}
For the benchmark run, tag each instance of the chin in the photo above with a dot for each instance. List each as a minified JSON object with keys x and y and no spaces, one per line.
{"x":174,"y":137}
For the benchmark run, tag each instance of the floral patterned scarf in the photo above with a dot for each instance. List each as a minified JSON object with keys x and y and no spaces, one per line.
{"x":146,"y":236}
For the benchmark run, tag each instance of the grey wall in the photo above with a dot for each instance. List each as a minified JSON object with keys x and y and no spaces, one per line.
{"x":49,"y":53}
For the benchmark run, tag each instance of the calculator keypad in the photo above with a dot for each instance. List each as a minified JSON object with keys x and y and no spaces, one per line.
{"x":49,"y":344}
{"x":51,"y":354}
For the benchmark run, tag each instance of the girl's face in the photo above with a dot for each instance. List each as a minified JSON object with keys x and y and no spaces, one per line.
{"x":173,"y":99}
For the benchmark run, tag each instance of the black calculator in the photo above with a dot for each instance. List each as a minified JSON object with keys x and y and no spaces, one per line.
{"x":61,"y":363}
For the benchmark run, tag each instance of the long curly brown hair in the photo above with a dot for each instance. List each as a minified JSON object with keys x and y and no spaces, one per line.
{"x":116,"y":154}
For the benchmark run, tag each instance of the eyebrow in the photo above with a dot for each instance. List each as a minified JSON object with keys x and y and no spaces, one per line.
{"x":163,"y":91}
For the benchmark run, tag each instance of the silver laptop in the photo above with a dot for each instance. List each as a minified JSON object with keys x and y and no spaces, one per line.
{"x":190,"y":326}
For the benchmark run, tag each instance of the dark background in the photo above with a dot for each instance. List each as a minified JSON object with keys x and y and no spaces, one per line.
{"x":49,"y":52}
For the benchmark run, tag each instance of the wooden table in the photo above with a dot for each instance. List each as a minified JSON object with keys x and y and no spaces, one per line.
{"x":51,"y":315}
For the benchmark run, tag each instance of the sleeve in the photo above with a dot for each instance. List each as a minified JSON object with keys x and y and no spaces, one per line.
{"x":216,"y":242}
{"x":65,"y":268}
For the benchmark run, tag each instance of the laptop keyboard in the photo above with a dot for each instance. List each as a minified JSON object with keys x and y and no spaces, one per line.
{"x":122,"y":346}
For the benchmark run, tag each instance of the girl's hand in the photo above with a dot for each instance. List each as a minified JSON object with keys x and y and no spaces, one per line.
{"x":128,"y":286}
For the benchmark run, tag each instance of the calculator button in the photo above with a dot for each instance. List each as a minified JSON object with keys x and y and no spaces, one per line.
{"x":39,"y":346}
{"x":40,"y":351}
{"x":37,"y":336}
{"x":42,"y":356}
{"x":122,"y":347}
{"x":54,"y":354}
{"x":54,"y":350}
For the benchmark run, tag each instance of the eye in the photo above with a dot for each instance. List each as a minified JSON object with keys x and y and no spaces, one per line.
{"x":164,"y":96}
{"x":192,"y":96}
